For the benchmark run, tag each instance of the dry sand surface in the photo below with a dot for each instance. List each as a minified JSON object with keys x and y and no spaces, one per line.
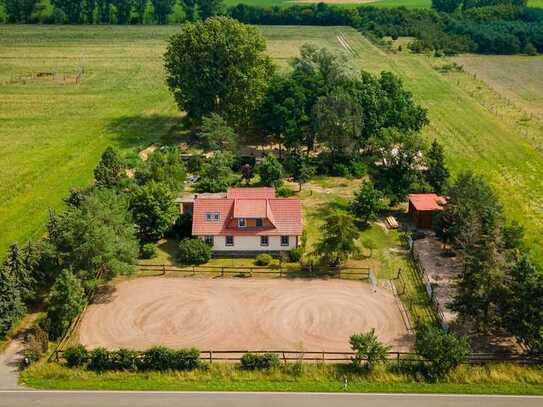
{"x":238,"y":314}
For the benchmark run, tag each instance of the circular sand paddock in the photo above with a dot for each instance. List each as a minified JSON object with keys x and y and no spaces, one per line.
{"x":237,"y":314}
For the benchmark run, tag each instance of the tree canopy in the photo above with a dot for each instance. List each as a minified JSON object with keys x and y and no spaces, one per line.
{"x":163,"y":166}
{"x":218,"y":66}
{"x":110,"y":170}
{"x":338,"y":238}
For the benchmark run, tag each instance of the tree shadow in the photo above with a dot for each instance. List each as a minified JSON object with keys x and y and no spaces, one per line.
{"x":142,"y":130}
{"x":104,"y":294}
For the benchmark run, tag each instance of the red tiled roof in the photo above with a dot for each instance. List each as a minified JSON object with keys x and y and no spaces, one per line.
{"x":426,"y":202}
{"x":250,"y":208}
{"x":285,"y":215}
{"x":251,"y":193}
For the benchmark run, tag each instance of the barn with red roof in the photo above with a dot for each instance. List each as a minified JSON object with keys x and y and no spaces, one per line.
{"x":248,"y":220}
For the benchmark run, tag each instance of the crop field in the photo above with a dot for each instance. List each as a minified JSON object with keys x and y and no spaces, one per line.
{"x":54,"y":128}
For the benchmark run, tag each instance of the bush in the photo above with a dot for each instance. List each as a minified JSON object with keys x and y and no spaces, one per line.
{"x":123,"y":359}
{"x":263,"y":259}
{"x":253,"y":361}
{"x":100,"y":360}
{"x":358,"y":169}
{"x":443,"y":350}
{"x":149,"y":251}
{"x":158,"y":358}
{"x":76,"y":356}
{"x":340,"y":170}
{"x":193,"y":251}
{"x":284,"y":192}
{"x":368,"y":347}
{"x":186,"y":359}
{"x":295,"y":255}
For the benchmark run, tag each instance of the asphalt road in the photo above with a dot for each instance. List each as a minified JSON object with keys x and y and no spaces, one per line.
{"x":207,"y":399}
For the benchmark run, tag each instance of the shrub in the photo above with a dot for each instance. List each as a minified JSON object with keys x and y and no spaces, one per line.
{"x":443,"y":350}
{"x":253,"y":361}
{"x":149,"y":251}
{"x":263,"y":259}
{"x":76,"y":356}
{"x":340,"y":170}
{"x":99,"y":360}
{"x":193,"y":251}
{"x":284,"y":192}
{"x":368,"y":347}
{"x":158,"y":358}
{"x":123,"y":359}
{"x":186,"y":359}
{"x":358,"y":169}
{"x":295,"y":255}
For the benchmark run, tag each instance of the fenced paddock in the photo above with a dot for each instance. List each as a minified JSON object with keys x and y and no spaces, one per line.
{"x":224,"y":314}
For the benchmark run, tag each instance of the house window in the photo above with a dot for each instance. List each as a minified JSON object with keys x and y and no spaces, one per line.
{"x":241,"y":222}
{"x":284,"y":240}
{"x":259,"y":223}
{"x":229,"y":240}
{"x":264,"y":241}
{"x":208,"y":240}
{"x":212,"y":216}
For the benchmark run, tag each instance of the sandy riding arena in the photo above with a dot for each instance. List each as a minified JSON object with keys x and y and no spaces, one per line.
{"x":237,"y":314}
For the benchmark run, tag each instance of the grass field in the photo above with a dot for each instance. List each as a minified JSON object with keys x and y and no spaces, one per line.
{"x":492,"y":379}
{"x":54,"y":132}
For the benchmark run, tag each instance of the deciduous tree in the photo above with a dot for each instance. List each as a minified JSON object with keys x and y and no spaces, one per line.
{"x":72,"y":9}
{"x":19,"y":11}
{"x":216,"y":174}
{"x":368,"y":202}
{"x":154,"y":210}
{"x":217,"y":135}
{"x":162,"y":9}
{"x":163,"y":166}
{"x":218,"y":66}
{"x":270,"y":171}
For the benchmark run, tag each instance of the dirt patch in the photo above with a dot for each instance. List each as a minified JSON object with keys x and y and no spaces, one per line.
{"x":144,"y":154}
{"x":442,"y":270}
{"x":234,"y":314}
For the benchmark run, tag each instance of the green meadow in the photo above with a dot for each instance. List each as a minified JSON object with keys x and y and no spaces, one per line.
{"x":54,"y":129}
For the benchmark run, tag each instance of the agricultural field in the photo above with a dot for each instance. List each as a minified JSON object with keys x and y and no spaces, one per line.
{"x":55,"y":129}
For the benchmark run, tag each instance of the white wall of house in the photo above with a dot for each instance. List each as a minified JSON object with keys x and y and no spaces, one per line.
{"x":252,"y":243}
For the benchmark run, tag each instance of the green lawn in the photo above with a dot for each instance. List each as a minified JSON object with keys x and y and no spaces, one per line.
{"x":497,"y":379}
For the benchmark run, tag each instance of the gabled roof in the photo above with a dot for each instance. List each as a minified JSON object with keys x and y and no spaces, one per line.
{"x":285,"y":215}
{"x":250,"y":208}
{"x":427,"y":202}
{"x":251,"y":193}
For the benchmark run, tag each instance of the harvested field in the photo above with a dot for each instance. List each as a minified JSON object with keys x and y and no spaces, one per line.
{"x":237,"y":314}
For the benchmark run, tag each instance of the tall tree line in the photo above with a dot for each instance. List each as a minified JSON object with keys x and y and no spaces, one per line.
{"x":112,"y":11}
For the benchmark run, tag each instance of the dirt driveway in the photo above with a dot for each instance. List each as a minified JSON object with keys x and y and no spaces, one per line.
{"x":237,"y":314}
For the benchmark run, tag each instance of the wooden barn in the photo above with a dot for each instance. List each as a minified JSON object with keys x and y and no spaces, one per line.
{"x":422,"y":208}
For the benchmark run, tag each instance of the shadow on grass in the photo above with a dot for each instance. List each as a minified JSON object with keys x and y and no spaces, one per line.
{"x":142,"y":130}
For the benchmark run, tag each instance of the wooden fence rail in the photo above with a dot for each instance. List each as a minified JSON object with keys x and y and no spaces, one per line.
{"x":339,"y":272}
{"x":328,"y":357}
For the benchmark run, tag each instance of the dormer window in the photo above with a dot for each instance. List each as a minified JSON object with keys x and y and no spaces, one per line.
{"x":213,"y":216}
{"x":258,"y":223}
{"x":242,"y":222}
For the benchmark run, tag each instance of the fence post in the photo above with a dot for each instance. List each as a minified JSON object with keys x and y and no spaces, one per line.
{"x":210,"y":356}
{"x":284,"y":358}
{"x":163,"y":269}
{"x":222,"y":271}
{"x":193,"y":271}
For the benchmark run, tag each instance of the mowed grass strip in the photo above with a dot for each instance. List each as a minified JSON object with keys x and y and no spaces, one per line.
{"x":491,"y":379}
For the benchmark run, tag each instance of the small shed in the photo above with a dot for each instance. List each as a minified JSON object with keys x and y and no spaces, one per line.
{"x":422,"y":208}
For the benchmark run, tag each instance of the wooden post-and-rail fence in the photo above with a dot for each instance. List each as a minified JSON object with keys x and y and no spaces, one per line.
{"x":337,"y":272}
{"x":346,"y":357}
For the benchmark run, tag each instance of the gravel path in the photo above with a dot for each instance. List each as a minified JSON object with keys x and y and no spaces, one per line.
{"x":233,"y":314}
{"x":9,"y":365}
